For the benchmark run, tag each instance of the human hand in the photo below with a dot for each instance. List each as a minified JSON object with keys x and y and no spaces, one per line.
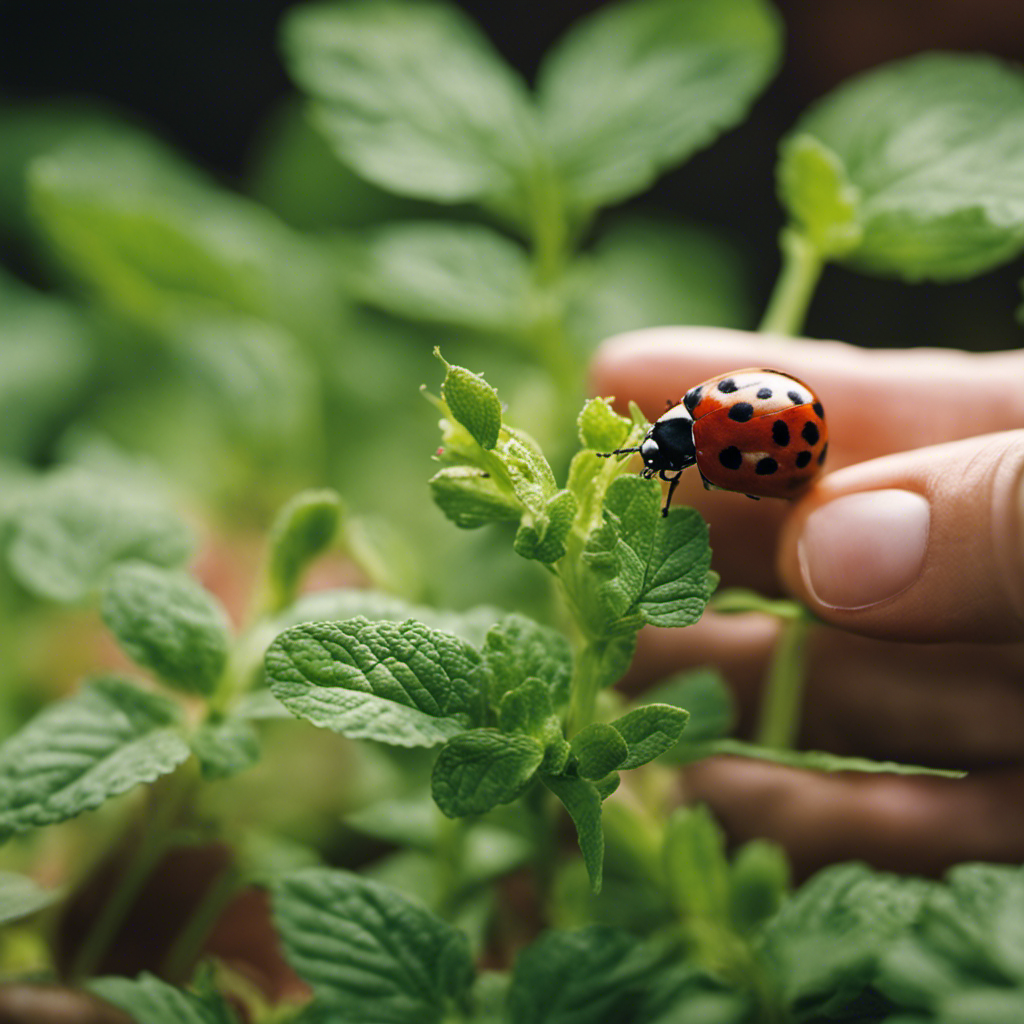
{"x":911,"y":548}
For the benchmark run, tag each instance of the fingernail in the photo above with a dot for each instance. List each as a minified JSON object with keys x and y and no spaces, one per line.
{"x":864,"y":548}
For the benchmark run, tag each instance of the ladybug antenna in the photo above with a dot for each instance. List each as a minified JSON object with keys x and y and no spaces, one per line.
{"x":618,"y":451}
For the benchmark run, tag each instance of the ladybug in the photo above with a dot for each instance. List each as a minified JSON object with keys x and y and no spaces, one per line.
{"x":759,"y":432}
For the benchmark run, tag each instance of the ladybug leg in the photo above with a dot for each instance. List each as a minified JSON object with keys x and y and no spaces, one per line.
{"x":753,"y":497}
{"x":672,"y":482}
{"x":708,"y":485}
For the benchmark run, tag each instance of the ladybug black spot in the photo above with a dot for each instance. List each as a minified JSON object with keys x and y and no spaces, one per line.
{"x":692,"y":398}
{"x":741,"y":412}
{"x":810,"y":433}
{"x":795,"y":397}
{"x":819,"y":410}
{"x":727,"y":386}
{"x":731,"y":457}
{"x":766,"y":466}
{"x":764,"y":393}
{"x":802,"y":459}
{"x":780,"y":433}
{"x":821,"y":457}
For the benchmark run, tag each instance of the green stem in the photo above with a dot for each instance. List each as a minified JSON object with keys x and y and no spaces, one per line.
{"x":450,"y":856}
{"x":780,"y":711}
{"x":157,"y":837}
{"x":801,"y":267}
{"x":586,"y":681}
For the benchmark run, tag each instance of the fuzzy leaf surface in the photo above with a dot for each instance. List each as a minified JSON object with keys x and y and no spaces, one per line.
{"x":227,"y":746}
{"x":933,"y":147}
{"x":518,"y":648}
{"x":678,"y":584}
{"x":474,"y":404}
{"x":416,"y":100}
{"x":639,"y":86}
{"x":78,"y":524}
{"x":649,"y":731}
{"x":403,"y":684}
{"x":481,"y":768}
{"x":106,"y":739}
{"x":599,"y":749}
{"x":370,"y":954}
{"x":168,"y":623}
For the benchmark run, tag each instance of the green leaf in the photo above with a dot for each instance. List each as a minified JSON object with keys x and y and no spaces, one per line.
{"x":739,"y":600}
{"x":649,"y":731}
{"x":470,"y":498}
{"x":703,"y":693}
{"x":481,"y":768}
{"x":106,"y":739}
{"x":368,"y":953}
{"x":465,"y":275}
{"x":542,"y":536}
{"x":599,"y":749}
{"x":473,"y":403}
{"x":21,"y":896}
{"x":759,"y":881}
{"x":826,"y":941}
{"x":44,"y":364}
{"x":224,"y":747}
{"x":637,"y":87}
{"x":415,"y":99}
{"x":168,"y":623}
{"x":696,"y":866}
{"x":78,"y":524}
{"x":617,"y":552}
{"x":933,"y":148}
{"x":650,"y":273}
{"x":302,"y":530}
{"x":527,"y":709}
{"x":600,"y":427}
{"x":517,"y":649}
{"x":820,"y":199}
{"x":582,"y":800}
{"x":406,"y":685}
{"x":156,"y":1002}
{"x":591,"y":975}
{"x":678,"y":584}
{"x":812,"y":760}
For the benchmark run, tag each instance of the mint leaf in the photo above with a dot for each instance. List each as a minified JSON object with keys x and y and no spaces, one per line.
{"x":76,"y":525}
{"x":826,"y":942}
{"x":591,"y":975}
{"x":168,"y":623}
{"x":582,"y":800}
{"x":156,"y":1002}
{"x":470,"y":498}
{"x":704,"y":694}
{"x":630,"y":279}
{"x":814,"y":188}
{"x":472,"y":403}
{"x":416,"y":101}
{"x":933,"y":149}
{"x":600,"y":427}
{"x":481,"y":768}
{"x":599,"y":749}
{"x":649,"y":731}
{"x":21,"y":896}
{"x":517,"y":649}
{"x":302,"y":530}
{"x":678,"y":584}
{"x":528,"y":709}
{"x":696,"y":866}
{"x":759,"y":880}
{"x":638,"y":87}
{"x":401,"y":684}
{"x":226,"y":746}
{"x":74,"y":755}
{"x":542,"y":536}
{"x":368,"y":953}
{"x":465,"y":275}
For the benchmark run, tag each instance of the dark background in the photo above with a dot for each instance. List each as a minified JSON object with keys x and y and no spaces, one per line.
{"x":206,"y":76}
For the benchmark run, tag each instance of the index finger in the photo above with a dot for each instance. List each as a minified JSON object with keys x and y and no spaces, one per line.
{"x":877,"y":401}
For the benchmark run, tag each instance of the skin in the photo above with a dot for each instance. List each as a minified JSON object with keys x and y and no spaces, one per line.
{"x":932,"y":673}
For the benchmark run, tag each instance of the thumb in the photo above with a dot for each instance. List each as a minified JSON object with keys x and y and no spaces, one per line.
{"x":923,"y":545}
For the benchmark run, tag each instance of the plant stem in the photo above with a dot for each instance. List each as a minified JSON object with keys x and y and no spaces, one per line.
{"x":188,"y":943}
{"x":801,"y":267}
{"x":156,"y":839}
{"x":585,"y":685}
{"x":780,"y":711}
